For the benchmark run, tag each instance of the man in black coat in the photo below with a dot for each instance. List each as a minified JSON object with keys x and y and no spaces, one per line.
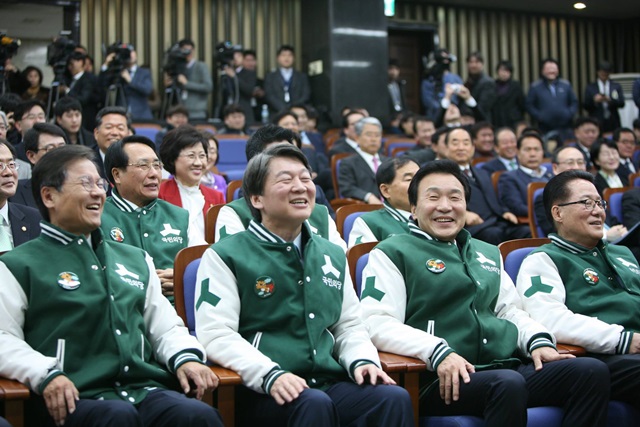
{"x":83,"y":86}
{"x":602,"y":99}
{"x":482,"y":87}
{"x":285,"y":86}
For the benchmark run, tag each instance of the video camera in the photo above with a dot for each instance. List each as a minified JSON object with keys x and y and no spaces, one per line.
{"x":58,"y":53}
{"x":8,"y":48}
{"x":175,"y":60}
{"x":223,"y":54}
{"x":121,"y":58}
{"x":437,"y":62}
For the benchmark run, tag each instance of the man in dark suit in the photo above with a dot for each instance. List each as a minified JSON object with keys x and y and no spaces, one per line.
{"x":84,"y":87}
{"x":631,"y":207}
{"x":347,"y":144}
{"x":38,"y":141}
{"x":396,"y":88}
{"x":626,"y":141}
{"x":285,"y":86}
{"x":486,"y":219}
{"x":68,"y":115}
{"x":481,"y":86}
{"x":135,"y":81}
{"x":423,"y":128}
{"x":508,"y":109}
{"x":18,"y":224}
{"x":506,"y":150}
{"x":512,"y":186}
{"x":26,"y":114}
{"x":586,"y":131}
{"x":603,"y":98}
{"x":112,"y":124}
{"x":238,"y":85}
{"x":357,"y":174}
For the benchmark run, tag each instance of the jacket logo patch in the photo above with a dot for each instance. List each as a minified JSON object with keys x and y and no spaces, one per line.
{"x":631,"y":266}
{"x":117,"y":234}
{"x":264,"y":287}
{"x":483,"y":260}
{"x":436,"y":265}
{"x":68,"y":281}
{"x":170,"y":234}
{"x":129,"y":277}
{"x":329,"y":268}
{"x":537,"y":286}
{"x":590,"y":276}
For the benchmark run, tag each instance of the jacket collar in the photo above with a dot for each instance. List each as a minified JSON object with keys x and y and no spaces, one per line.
{"x":573,"y":247}
{"x":261,"y":232}
{"x":462,"y":238}
{"x":64,"y":237}
{"x":396,"y":214}
{"x":126,"y":206}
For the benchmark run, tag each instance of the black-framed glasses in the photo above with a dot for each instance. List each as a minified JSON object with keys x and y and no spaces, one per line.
{"x":589,"y":204}
{"x":145,"y":166}
{"x":11,"y":165}
{"x":89,"y":184}
{"x":50,"y":147}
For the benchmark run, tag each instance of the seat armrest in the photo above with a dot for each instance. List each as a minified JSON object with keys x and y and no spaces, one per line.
{"x":570,"y":349}
{"x":395,"y":363}
{"x":227,"y":376}
{"x":13,"y":390}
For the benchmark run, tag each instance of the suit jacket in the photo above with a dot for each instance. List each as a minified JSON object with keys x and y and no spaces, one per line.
{"x":509,"y":106}
{"x":483,"y":91}
{"x":341,"y":146}
{"x":137,"y":93}
{"x":85,"y":137}
{"x":239,"y":90}
{"x":356,"y":178}
{"x":601,"y":183}
{"x":420,"y":155}
{"x":402,"y":85}
{"x":483,"y":201}
{"x":99,"y":162}
{"x":87,"y":91}
{"x":25,"y":223}
{"x":299,"y":90}
{"x":198,"y":87}
{"x":598,"y":111}
{"x":512,"y":190}
{"x":631,"y":207}
{"x":494,"y":165}
{"x":24,"y":195}
{"x":169,"y":192}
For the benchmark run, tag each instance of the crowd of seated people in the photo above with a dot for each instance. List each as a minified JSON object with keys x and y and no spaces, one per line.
{"x":274,"y":299}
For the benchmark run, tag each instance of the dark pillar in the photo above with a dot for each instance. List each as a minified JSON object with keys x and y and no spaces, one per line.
{"x":348,"y":38}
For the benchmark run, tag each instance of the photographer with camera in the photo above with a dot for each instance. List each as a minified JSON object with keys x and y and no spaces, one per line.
{"x":83,"y":86}
{"x":237,"y":82}
{"x":193,"y":80}
{"x":132,"y":84}
{"x":11,"y":80}
{"x":437,"y":77}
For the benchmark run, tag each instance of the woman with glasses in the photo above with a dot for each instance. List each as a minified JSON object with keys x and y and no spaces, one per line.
{"x":184,"y":154}
{"x":606,"y":159}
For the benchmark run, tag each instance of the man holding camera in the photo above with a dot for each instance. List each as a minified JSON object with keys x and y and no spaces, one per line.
{"x":196,"y":83}
{"x":83,"y":86}
{"x":121,"y":68}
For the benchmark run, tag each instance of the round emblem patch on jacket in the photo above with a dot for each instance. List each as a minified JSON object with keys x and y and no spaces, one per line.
{"x":264,"y":287}
{"x":68,"y":280}
{"x":117,"y":234}
{"x":590,"y":276}
{"x":436,"y":265}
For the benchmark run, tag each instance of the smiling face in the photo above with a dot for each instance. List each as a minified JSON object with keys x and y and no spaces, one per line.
{"x":530,"y":154}
{"x":73,"y":208}
{"x":8,"y":177}
{"x":506,"y":146}
{"x":288,"y":197}
{"x":113,"y":128}
{"x":397,"y":192}
{"x":441,"y":206}
{"x":459,"y":147}
{"x":134,"y":183}
{"x":608,"y":159}
{"x":484,"y":140}
{"x":191,"y":164}
{"x":574,"y":222}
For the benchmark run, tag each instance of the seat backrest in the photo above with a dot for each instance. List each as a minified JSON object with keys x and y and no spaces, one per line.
{"x":335,"y":161}
{"x":233,"y":189}
{"x":147,"y":131}
{"x":495,"y":177}
{"x":233,"y":158}
{"x":615,"y":206}
{"x":344,"y":214}
{"x":185,"y":269}
{"x":210,"y":223}
{"x":391,"y":144}
{"x":515,"y":251}
{"x":536,"y":231}
{"x":534,"y":189}
{"x":357,"y":257}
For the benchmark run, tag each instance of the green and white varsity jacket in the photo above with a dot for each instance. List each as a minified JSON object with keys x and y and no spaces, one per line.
{"x":586,"y":296}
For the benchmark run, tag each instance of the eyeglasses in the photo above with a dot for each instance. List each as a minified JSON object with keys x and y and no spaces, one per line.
{"x":145,"y":166}
{"x":89,"y":184}
{"x":573,"y":162}
{"x":34,"y":117}
{"x":589,"y":204}
{"x":11,"y":165}
{"x":50,"y":147}
{"x":192,"y":157}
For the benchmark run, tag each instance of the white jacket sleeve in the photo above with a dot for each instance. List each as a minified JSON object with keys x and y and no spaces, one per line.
{"x":165,"y":329}
{"x":360,"y":230}
{"x":350,"y":332}
{"x":549,"y":308}
{"x":217,"y":322}
{"x":229,"y":219}
{"x":18,"y":360}
{"x":509,"y":307}
{"x":383,"y":309}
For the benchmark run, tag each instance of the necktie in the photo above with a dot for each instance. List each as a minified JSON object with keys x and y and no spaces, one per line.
{"x":375,"y":164}
{"x":468,"y":173}
{"x":5,"y":242}
{"x":513,"y":165}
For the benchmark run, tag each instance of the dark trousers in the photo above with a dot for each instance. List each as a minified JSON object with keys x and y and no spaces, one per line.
{"x":160,"y":408}
{"x":501,"y":396}
{"x":625,"y":377}
{"x":343,"y":404}
{"x":502,"y":231}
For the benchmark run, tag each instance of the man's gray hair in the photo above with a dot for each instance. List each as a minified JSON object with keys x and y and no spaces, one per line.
{"x":367,"y":121}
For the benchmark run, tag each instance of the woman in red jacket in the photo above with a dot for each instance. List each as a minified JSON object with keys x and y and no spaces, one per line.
{"x":184,"y":154}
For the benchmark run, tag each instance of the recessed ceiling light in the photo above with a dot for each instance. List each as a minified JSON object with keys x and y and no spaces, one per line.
{"x":580,"y":6}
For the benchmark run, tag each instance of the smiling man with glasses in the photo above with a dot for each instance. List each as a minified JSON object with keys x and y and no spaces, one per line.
{"x":134,"y":215}
{"x":586,"y":291}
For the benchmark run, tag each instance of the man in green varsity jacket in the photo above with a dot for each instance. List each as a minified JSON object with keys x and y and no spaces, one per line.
{"x":443,"y":297}
{"x":83,"y":323}
{"x":275,"y":304}
{"x":393,"y":178}
{"x":134,"y":215}
{"x":586,"y":291}
{"x":235,"y":215}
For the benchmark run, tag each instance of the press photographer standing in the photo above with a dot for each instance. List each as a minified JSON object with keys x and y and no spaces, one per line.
{"x":196,"y":83}
{"x":120,"y":72}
